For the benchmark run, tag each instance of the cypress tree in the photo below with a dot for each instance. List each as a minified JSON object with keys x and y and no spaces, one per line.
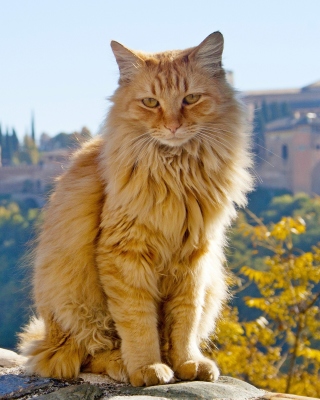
{"x":275,"y":111}
{"x":14,"y":141}
{"x":265,"y":111}
{"x":6,"y":152}
{"x":285,"y":110}
{"x":33,"y":134}
{"x":259,"y":138}
{"x":1,"y":145}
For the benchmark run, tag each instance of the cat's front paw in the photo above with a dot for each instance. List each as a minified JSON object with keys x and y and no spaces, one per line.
{"x":201,"y":370}
{"x":151,"y":375}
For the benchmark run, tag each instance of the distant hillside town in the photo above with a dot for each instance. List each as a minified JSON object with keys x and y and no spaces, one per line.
{"x":286,"y":144}
{"x":27,"y":170}
{"x":287,"y":137}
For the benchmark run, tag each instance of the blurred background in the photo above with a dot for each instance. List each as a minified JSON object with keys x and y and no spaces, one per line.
{"x":57,"y":63}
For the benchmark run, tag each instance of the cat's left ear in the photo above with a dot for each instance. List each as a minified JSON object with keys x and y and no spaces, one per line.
{"x":209,"y":52}
{"x":127,"y":61}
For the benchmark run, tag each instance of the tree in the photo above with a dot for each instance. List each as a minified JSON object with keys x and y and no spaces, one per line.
{"x":1,"y":146}
{"x":33,"y":134}
{"x":29,"y":154}
{"x":259,"y":139}
{"x":265,"y":110}
{"x":14,"y":141}
{"x":17,"y":227}
{"x":279,"y":349}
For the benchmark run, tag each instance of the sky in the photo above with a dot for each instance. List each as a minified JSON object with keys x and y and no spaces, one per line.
{"x":56,"y":61}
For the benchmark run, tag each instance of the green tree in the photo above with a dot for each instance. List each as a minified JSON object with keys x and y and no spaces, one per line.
{"x":1,"y":137}
{"x":33,"y":134}
{"x":7,"y":151}
{"x":265,"y":110}
{"x":29,"y":153}
{"x":14,"y":141}
{"x":17,"y":227}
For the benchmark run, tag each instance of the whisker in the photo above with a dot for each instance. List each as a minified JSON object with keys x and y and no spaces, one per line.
{"x":214,"y":129}
{"x":218,"y":140}
{"x":269,"y":151}
{"x":214,"y":139}
{"x":257,"y":175}
{"x":261,"y":158}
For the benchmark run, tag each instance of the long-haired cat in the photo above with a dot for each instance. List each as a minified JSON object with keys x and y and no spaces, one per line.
{"x":128,"y":276}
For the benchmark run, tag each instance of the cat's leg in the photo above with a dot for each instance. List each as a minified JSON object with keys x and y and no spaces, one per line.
{"x":130,"y":285}
{"x":107,"y":362}
{"x":57,"y":354}
{"x":183,"y":314}
{"x":135,"y":315}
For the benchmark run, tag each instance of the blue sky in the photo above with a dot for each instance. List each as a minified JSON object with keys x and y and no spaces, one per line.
{"x":56,"y":59}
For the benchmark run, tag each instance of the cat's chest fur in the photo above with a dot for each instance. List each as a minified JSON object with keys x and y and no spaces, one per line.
{"x":173,"y":199}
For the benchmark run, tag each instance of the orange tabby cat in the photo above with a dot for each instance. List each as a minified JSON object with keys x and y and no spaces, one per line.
{"x":128,"y":276}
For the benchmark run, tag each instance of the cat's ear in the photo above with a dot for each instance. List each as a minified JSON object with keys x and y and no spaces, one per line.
{"x":128,"y":62}
{"x":209,"y":52}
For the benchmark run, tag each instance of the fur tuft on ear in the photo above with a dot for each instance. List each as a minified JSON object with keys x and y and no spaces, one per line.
{"x":128,"y":62}
{"x":209,"y":52}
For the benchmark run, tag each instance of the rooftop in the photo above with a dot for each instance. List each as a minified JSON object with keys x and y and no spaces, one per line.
{"x":291,"y":122}
{"x":315,"y":86}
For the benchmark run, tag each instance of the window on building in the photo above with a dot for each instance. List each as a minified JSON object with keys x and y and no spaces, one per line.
{"x":285,"y":153}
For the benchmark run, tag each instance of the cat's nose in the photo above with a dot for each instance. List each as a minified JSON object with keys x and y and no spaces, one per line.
{"x":173,"y":126}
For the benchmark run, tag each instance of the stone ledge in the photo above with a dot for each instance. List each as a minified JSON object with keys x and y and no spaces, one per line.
{"x":15,"y":384}
{"x":10,"y":359}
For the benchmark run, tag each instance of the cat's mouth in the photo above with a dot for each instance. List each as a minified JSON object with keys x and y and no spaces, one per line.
{"x":174,"y":140}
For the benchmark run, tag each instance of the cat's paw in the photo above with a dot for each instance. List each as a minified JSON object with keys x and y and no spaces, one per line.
{"x":117,"y":371}
{"x":151,"y":375}
{"x":107,"y":362}
{"x":201,"y":370}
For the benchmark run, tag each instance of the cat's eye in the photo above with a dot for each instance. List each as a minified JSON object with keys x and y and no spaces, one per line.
{"x":150,"y":102}
{"x":191,"y":98}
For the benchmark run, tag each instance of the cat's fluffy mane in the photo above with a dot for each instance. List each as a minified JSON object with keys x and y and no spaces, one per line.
{"x":131,"y":251}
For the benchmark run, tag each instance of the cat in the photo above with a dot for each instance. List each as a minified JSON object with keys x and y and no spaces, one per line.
{"x":128,"y":270}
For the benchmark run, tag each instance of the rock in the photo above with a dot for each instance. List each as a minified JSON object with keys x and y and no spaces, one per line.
{"x":15,"y":386}
{"x":136,"y":398}
{"x":85,"y":391}
{"x":224,"y":388}
{"x":96,"y":379}
{"x":9,"y":358}
{"x":285,"y":396}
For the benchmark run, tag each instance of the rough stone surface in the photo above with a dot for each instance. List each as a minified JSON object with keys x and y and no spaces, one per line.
{"x":30,"y":387}
{"x":224,"y":388}
{"x":85,"y":391}
{"x":9,"y":358}
{"x":15,"y":384}
{"x":96,"y":379}
{"x":135,"y":398}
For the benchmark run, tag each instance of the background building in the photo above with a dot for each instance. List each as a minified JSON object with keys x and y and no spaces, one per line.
{"x":288,"y":147}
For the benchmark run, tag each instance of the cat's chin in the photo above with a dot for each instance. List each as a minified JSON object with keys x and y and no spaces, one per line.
{"x":174,"y":141}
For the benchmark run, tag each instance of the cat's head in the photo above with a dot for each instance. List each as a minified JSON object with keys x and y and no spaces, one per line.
{"x":172,"y":96}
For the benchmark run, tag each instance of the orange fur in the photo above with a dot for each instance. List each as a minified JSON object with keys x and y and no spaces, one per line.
{"x":128,"y":276}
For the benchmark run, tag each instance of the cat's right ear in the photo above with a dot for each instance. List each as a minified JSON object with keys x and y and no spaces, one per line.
{"x":127,"y":61}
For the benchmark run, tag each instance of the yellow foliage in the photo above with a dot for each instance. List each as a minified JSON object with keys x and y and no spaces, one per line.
{"x":287,"y":226}
{"x":313,"y":354}
{"x":278,"y":351}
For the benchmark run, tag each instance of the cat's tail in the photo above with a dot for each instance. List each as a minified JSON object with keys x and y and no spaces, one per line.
{"x":31,"y":334}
